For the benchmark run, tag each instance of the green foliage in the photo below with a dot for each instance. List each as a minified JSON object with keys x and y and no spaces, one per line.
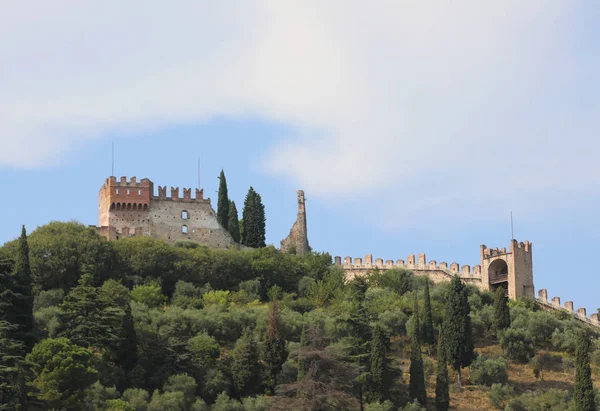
{"x":427,"y":330}
{"x":118,"y":405}
{"x":417,"y":375}
{"x":126,"y":355}
{"x":21,"y":312}
{"x":413,"y":406}
{"x":274,"y":351}
{"x":11,"y":359}
{"x":137,"y":398}
{"x":187,"y":295}
{"x":501,"y":310}
{"x":583,"y":393}
{"x":97,"y":395}
{"x":48,"y":298}
{"x":233,"y":225}
{"x":517,"y":345}
{"x":61,"y":373}
{"x":253,"y":220}
{"x":182,"y":383}
{"x":380,"y":406}
{"x":398,"y":280}
{"x":204,"y":350}
{"x":149,"y":294}
{"x":223,"y":202}
{"x":488,"y":371}
{"x":87,"y":319}
{"x":442,"y":389}
{"x":457,"y":327}
{"x":499,"y":395}
{"x":168,"y":401}
{"x":381,"y":373}
{"x":553,"y":399}
{"x":245,"y":366}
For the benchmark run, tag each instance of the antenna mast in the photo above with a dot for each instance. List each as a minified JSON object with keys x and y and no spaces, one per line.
{"x":198,"y":173}
{"x":512,"y":227}
{"x":112,"y":171}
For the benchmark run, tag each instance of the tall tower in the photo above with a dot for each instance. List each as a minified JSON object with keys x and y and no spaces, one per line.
{"x":297,"y":241}
{"x":511,"y":270}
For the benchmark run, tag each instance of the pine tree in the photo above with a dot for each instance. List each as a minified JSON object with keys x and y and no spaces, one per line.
{"x":583,"y":393}
{"x":382,"y":377}
{"x":275,"y":351}
{"x":245,"y":367}
{"x":457,"y":328}
{"x":233,"y":225}
{"x":416,"y":387}
{"x":223,"y":202}
{"x":427,"y":330}
{"x":442,"y":392}
{"x":22,"y":307}
{"x":501,"y":320}
{"x":253,"y":220}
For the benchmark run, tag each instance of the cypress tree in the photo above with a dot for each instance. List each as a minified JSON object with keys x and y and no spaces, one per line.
{"x":442,"y":392}
{"x":427,"y":330}
{"x":501,"y":320}
{"x":223,"y":202}
{"x":275,"y":351}
{"x":233,"y":225}
{"x":379,"y":366}
{"x":583,"y":393}
{"x":127,"y":349}
{"x":416,"y":322}
{"x":253,"y":220}
{"x":416,"y":387}
{"x":245,"y":366}
{"x":22,"y":308}
{"x":457,"y":328}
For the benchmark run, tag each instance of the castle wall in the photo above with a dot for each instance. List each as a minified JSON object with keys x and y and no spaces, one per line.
{"x":167,"y":222}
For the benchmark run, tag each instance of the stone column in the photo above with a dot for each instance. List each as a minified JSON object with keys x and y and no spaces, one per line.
{"x":543,"y":294}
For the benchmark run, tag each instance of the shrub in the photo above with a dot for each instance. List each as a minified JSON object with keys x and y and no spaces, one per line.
{"x":413,"y":406}
{"x":380,"y":406}
{"x":517,"y":345}
{"x":49,"y":298}
{"x":149,"y":294}
{"x":499,"y":395}
{"x":488,"y":371}
{"x":553,"y":399}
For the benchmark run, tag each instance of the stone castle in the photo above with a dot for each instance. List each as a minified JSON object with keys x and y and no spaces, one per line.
{"x":129,"y":208}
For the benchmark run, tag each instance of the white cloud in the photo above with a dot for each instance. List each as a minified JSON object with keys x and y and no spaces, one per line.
{"x":440,"y":104}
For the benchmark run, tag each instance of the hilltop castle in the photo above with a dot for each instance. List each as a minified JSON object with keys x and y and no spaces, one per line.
{"x":129,"y":208}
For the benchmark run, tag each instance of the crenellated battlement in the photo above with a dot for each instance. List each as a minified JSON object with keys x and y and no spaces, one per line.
{"x":123,"y":182}
{"x":580,"y":314}
{"x":358,"y":266}
{"x":187,"y":195}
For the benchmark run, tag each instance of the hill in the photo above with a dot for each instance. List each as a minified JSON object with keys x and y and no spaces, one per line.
{"x":139,"y":324}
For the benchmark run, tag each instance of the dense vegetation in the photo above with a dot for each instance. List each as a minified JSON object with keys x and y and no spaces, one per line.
{"x":138,"y":324}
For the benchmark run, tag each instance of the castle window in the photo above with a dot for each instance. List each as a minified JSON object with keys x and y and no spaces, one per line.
{"x":139,"y":192}
{"x":117,"y":191}
{"x":184,"y":229}
{"x":184,"y":215}
{"x":128,"y":192}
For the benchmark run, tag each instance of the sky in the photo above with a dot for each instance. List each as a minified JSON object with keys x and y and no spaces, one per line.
{"x":413,"y":126}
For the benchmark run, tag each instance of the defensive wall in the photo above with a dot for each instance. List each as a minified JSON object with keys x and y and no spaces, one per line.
{"x":554,"y":304}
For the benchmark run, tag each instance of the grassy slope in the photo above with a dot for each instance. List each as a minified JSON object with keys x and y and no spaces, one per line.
{"x":472,"y":397}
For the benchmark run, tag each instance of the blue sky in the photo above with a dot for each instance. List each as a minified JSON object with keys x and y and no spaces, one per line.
{"x":412,"y":126}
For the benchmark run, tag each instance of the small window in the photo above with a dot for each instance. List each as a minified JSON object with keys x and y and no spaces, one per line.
{"x":139,"y":192}
{"x":128,"y":192}
{"x":117,"y":191}
{"x":184,"y":215}
{"x":184,"y":229}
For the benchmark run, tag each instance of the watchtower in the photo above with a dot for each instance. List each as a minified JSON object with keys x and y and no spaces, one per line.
{"x":511,"y":270}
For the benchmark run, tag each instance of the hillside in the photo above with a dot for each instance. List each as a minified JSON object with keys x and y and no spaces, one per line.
{"x":139,"y":324}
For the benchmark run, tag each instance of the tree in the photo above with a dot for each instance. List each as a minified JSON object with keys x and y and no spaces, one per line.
{"x":245,"y":367}
{"x":416,"y":385}
{"x":22,"y":307}
{"x":501,"y":319}
{"x":86,"y":318}
{"x":233,"y":226}
{"x":382,"y":376}
{"x":61,"y":371}
{"x":583,"y":393}
{"x":457,"y":328}
{"x":442,"y":392}
{"x":11,"y":359}
{"x":275,"y":352}
{"x":149,"y":294}
{"x":127,"y":345}
{"x":223,"y":202}
{"x":327,"y":383}
{"x":427,"y":330}
{"x":253,"y":220}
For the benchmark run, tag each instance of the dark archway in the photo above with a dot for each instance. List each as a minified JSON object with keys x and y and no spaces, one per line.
{"x":498,"y":275}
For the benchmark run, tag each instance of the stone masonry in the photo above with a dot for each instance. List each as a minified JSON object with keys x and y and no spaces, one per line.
{"x":130,"y":208}
{"x":297,"y":240}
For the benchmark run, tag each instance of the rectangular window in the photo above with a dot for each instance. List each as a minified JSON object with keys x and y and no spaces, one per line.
{"x":139,"y":192}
